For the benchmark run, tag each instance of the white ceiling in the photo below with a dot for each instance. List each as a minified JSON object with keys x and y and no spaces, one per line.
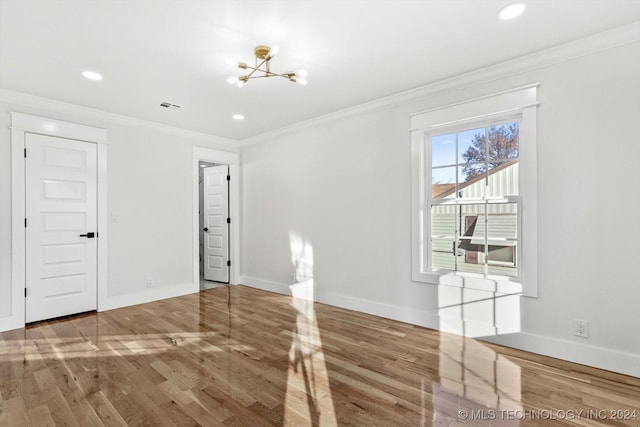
{"x":354,"y":50}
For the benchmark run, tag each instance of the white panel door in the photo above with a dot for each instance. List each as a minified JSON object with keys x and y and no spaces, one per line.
{"x":216,"y":228}
{"x":61,"y":207}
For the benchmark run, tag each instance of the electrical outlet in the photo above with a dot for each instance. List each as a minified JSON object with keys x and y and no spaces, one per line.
{"x":581,"y":328}
{"x":150,"y":283}
{"x":115,"y":218}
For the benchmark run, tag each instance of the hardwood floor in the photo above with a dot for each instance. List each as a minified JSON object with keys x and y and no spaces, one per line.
{"x":236,"y":356}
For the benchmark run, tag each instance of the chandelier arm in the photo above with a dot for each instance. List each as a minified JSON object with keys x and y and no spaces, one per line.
{"x":248,"y":67}
{"x":251,"y":77}
{"x":285,"y":75}
{"x":251,"y":73}
{"x":257,"y":68}
{"x":263,"y":53}
{"x":267,"y":73}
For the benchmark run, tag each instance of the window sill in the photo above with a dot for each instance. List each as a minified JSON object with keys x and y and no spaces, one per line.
{"x":499,"y":284}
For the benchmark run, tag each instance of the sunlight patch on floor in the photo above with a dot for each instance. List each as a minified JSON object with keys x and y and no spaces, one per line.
{"x":473,"y":377}
{"x":308,"y":398}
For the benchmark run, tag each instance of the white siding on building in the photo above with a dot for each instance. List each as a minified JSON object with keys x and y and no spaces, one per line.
{"x":502,"y":222}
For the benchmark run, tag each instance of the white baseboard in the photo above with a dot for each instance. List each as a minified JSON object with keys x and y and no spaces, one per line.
{"x":265,"y":285}
{"x":389,"y":311}
{"x":11,"y":322}
{"x":597,"y":357}
{"x":149,"y":295}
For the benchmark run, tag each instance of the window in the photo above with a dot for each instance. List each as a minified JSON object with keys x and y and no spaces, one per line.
{"x":474,"y":199}
{"x":470,"y":225}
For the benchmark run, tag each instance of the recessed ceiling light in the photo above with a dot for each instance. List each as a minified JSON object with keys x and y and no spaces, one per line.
{"x":91,"y":75}
{"x":237,"y":117}
{"x":512,"y":10}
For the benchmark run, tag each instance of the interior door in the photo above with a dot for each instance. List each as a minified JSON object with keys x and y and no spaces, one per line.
{"x":61,"y":208}
{"x":216,"y":227}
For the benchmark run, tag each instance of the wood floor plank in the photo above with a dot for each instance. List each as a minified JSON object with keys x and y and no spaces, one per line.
{"x":237,"y":356}
{"x":40,"y":416}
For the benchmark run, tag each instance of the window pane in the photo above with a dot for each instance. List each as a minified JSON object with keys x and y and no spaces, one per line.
{"x":502,"y":232}
{"x":471,"y":145}
{"x":472,"y":171}
{"x":470,"y":185}
{"x":442,"y":254}
{"x":443,"y":182}
{"x":479,"y":233}
{"x":502,"y":261}
{"x":502,"y":222}
{"x":503,"y":141}
{"x":503,"y":179}
{"x":443,"y":150}
{"x":443,"y":222}
{"x":470,"y":249}
{"x":443,"y":231}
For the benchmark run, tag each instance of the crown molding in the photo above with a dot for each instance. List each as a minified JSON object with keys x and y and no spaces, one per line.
{"x":617,"y":37}
{"x":34,"y":101}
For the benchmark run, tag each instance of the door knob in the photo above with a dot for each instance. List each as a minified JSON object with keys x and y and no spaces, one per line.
{"x":205,"y":229}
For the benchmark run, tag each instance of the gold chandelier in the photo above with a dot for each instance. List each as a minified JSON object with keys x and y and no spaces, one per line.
{"x":264,"y":55}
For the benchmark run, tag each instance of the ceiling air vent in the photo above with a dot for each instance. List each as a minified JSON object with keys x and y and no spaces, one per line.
{"x":173,"y":106}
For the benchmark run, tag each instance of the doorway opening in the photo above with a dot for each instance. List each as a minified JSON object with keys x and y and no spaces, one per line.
{"x":214,"y":223}
{"x":216,"y":218}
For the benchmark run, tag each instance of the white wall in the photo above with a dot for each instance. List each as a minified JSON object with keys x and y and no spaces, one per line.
{"x":340,"y":187}
{"x":150,"y":174}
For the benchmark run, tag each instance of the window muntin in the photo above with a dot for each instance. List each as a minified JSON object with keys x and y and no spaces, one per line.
{"x":474,"y":200}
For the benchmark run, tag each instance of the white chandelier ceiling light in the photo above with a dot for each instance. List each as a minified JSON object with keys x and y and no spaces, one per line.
{"x":262,"y":69}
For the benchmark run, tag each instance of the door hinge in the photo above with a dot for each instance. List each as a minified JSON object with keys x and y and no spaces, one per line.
{"x":228,"y":177}
{"x":25,"y":152}
{"x":25,"y":222}
{"x":228,"y":220}
{"x":25,"y":292}
{"x":228,"y":263}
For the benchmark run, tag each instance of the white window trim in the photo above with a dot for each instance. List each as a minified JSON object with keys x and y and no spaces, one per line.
{"x":520,"y":101}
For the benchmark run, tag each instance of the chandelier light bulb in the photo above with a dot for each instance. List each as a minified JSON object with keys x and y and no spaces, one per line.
{"x":232,"y":80}
{"x":239,"y":83}
{"x":301,"y":81}
{"x":274,"y":51}
{"x":232,"y":62}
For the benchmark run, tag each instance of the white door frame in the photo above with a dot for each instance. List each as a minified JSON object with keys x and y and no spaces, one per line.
{"x":221,"y":158}
{"x":21,"y":125}
{"x":215,"y":184}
